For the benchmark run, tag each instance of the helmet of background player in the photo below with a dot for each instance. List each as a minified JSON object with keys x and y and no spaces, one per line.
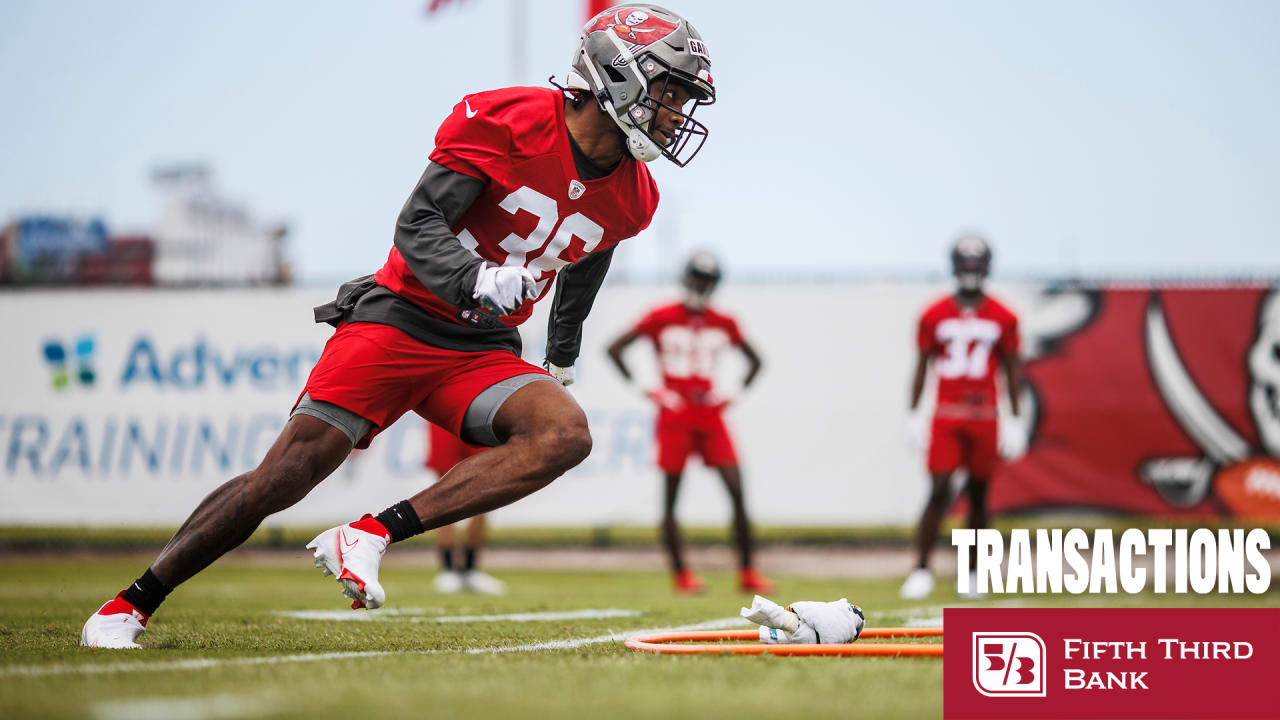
{"x":970,"y":262}
{"x":701,"y":275}
{"x":624,"y":51}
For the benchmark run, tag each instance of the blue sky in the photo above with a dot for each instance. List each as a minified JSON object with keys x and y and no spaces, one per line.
{"x":850,"y":138}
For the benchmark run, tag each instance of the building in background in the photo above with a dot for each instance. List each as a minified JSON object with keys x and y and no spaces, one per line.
{"x":205,"y":238}
{"x":201,"y":239}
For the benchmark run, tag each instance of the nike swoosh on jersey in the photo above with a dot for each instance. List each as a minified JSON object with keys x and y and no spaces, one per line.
{"x":470,"y":113}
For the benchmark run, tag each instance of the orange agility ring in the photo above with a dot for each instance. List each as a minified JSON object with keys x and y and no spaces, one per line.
{"x":662,"y":642}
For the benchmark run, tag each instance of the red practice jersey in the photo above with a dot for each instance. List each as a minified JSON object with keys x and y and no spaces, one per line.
{"x":964,"y":343}
{"x":534,"y":210}
{"x":688,"y":343}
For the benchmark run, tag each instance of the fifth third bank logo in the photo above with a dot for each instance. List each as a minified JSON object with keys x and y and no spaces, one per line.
{"x":1008,"y":664}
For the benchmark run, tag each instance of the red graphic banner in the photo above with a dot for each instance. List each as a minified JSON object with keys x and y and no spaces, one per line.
{"x":1111,"y":662}
{"x":1160,"y":401}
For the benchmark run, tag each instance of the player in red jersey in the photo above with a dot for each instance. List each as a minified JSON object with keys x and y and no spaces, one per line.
{"x":963,"y":337}
{"x":459,"y":561}
{"x":523,"y":183}
{"x":688,"y":336}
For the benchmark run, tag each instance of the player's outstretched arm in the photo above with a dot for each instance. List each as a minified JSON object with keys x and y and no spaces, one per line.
{"x":425,"y":238}
{"x":754,"y":363}
{"x":917,"y":424}
{"x":618,"y":347}
{"x":576,"y":288}
{"x":1013,"y":378}
{"x":917,"y":380}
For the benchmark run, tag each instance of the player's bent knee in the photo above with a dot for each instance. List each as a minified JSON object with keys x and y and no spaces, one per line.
{"x":564,"y":446}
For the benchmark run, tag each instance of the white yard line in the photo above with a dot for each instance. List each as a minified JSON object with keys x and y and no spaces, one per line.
{"x":207,"y":663}
{"x":611,"y":637}
{"x":402,"y":616}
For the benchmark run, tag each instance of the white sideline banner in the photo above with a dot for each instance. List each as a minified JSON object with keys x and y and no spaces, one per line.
{"x":126,"y":407}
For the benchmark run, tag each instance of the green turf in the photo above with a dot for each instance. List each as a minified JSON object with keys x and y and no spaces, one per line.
{"x":228,"y":613}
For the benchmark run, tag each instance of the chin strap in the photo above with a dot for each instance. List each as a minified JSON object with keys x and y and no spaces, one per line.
{"x":639,"y":144}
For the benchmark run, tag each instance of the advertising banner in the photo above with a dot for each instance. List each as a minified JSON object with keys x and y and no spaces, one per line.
{"x":1110,"y":662}
{"x":128,"y":406}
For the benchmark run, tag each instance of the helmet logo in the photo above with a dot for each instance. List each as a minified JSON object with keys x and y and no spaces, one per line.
{"x":576,"y":189}
{"x":634,"y":26}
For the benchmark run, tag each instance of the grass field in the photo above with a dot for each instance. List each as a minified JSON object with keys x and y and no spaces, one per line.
{"x":223,"y":646}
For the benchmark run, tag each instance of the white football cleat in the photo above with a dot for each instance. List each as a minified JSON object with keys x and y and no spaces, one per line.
{"x":483,"y":583}
{"x":973,"y":593}
{"x":448,"y":582}
{"x":354,"y":557}
{"x":116,"y":625}
{"x":918,"y":585}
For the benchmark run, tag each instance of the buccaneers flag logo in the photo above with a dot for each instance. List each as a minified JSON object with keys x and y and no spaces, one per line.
{"x":635,"y":27}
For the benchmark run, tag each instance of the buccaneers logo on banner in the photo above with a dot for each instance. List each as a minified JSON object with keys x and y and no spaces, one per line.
{"x":1159,"y":401}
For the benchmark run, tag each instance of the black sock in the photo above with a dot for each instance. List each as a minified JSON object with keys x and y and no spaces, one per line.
{"x":446,"y":558}
{"x":468,"y":559}
{"x":401,"y":521}
{"x":146,"y":593}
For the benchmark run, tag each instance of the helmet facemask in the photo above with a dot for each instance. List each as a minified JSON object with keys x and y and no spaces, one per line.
{"x":701,"y":275}
{"x":687,"y":138}
{"x":971,"y":263}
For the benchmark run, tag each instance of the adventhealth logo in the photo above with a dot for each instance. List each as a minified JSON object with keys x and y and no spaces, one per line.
{"x":63,"y":363}
{"x":196,"y":365}
{"x":200,"y":365}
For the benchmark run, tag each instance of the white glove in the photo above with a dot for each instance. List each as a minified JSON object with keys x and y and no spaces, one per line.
{"x":833,"y":622}
{"x":502,"y":289}
{"x":1012,"y":438}
{"x":563,"y":375}
{"x":806,"y":622}
{"x":916,"y":431}
{"x":665,"y":397}
{"x":778,"y":625}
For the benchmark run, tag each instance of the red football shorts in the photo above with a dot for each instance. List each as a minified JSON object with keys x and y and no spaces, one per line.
{"x":379,"y":373}
{"x":957,"y":443}
{"x":444,"y":449}
{"x":691,"y":430}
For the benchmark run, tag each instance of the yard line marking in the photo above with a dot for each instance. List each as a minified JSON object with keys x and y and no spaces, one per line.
{"x":206,"y":663}
{"x":379,"y":616}
{"x":611,"y":637}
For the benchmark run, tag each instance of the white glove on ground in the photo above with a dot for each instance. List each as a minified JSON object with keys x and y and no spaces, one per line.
{"x":916,"y":431}
{"x":563,"y":375}
{"x":501,"y":289}
{"x":806,"y":622}
{"x":1012,"y":438}
{"x":839,"y":621}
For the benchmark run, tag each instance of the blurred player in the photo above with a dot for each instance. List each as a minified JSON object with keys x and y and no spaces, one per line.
{"x":963,"y":337}
{"x":523,"y":183}
{"x":458,"y":570}
{"x":688,"y":336}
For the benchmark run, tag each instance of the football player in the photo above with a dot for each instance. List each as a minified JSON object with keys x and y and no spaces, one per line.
{"x":458,"y":560}
{"x":688,"y":336}
{"x":963,"y":337}
{"x":523,"y":183}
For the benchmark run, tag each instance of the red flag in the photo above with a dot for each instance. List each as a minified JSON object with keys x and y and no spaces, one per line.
{"x":594,"y":7}
{"x":434,"y":5}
